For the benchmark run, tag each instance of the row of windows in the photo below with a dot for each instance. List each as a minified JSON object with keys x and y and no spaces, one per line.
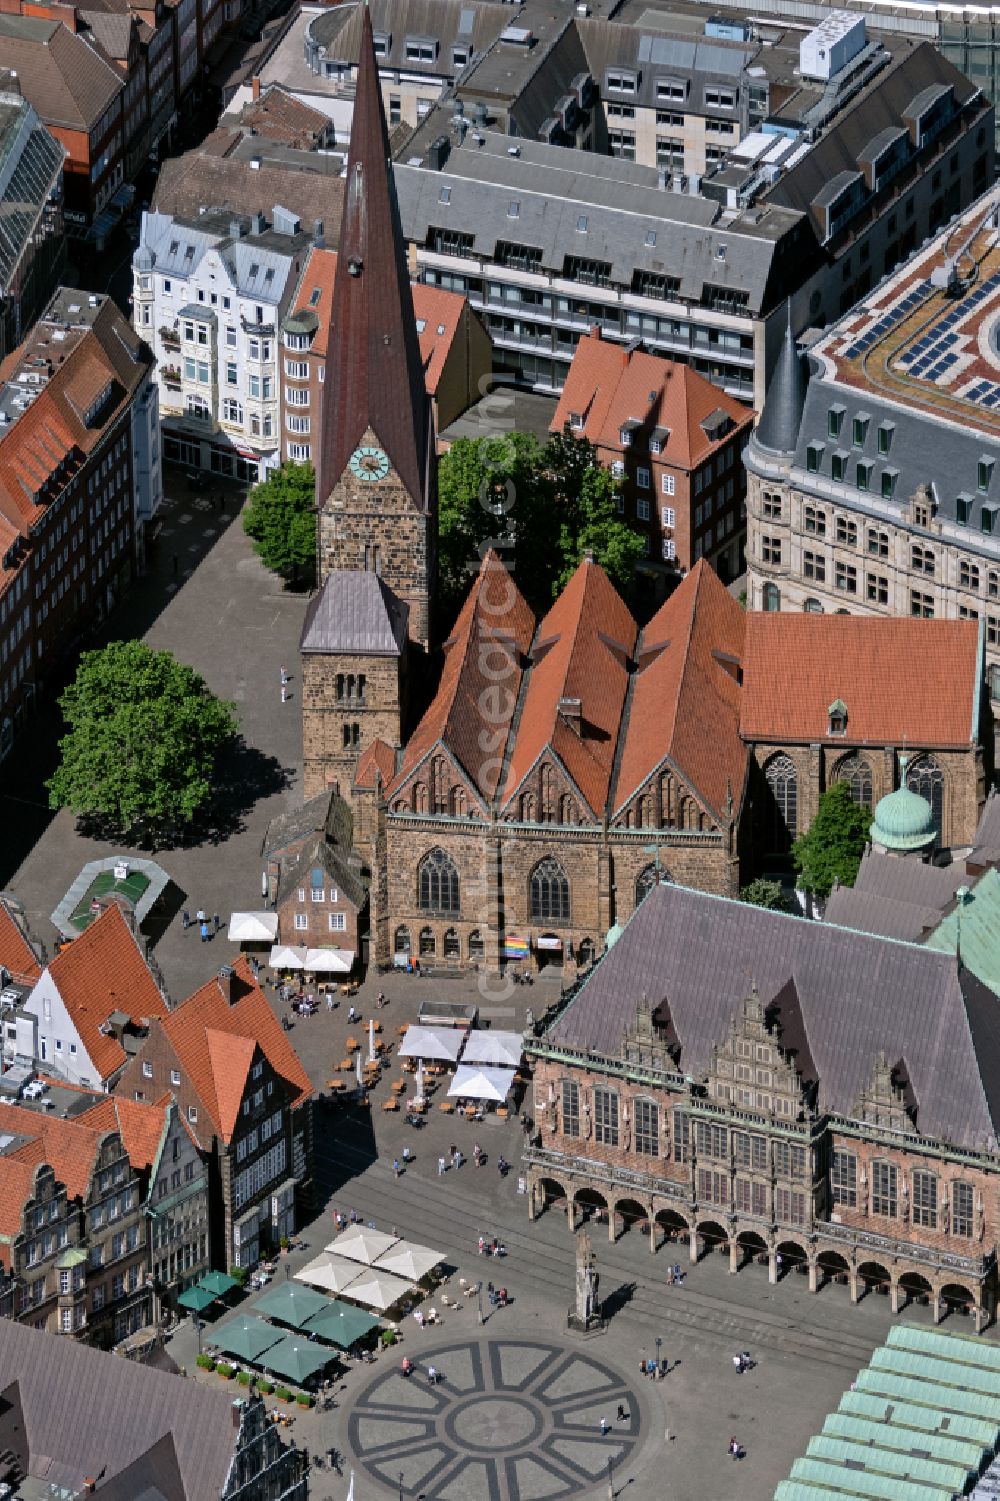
{"x":923,"y":776}
{"x":892,"y":1192}
{"x":438,"y":887}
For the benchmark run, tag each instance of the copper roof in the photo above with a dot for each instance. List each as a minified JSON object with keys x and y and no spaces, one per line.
{"x":374,"y":378}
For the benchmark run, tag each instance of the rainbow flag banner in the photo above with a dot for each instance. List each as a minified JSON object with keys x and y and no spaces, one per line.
{"x":515,"y":948}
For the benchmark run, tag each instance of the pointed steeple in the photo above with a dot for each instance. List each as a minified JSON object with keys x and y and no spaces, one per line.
{"x":374,"y":377}
{"x":778,"y":428}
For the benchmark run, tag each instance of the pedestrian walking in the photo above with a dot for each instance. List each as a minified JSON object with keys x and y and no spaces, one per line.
{"x":477,"y":1154}
{"x":204,"y":932}
{"x":456,"y":1158}
{"x":284,"y":694}
{"x":734,"y":1447}
{"x":604,"y":1426}
{"x":284,"y":677}
{"x":441,"y":1166}
{"x":329,"y":1000}
{"x":482,"y":1245}
{"x":200,"y":915}
{"x":406,"y":1154}
{"x":622,"y":1413}
{"x":217,"y":920}
{"x":186,"y":919}
{"x":432,"y":1375}
{"x":395,"y":1166}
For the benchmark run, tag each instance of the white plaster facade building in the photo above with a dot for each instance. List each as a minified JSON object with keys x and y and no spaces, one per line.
{"x":209,"y":296}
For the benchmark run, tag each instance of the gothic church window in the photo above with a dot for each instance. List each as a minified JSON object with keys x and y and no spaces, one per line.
{"x":856,"y":772}
{"x":437,"y":882}
{"x":549,"y":892}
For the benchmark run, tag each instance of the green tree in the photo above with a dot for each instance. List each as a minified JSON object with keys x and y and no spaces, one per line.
{"x":831,"y":848}
{"x":764,"y":893}
{"x":542,"y":507}
{"x":144,"y":736}
{"x":280,"y":519}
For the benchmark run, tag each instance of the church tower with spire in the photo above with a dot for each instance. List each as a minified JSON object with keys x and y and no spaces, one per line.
{"x":375,"y":485}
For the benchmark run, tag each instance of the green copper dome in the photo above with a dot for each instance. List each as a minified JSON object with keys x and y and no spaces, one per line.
{"x":903,"y":821}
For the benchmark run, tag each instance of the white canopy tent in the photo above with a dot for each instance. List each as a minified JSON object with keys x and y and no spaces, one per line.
{"x":329,"y":961}
{"x":332,"y":1273}
{"x":253,"y":927}
{"x":359,"y":1243}
{"x":474,"y":1083}
{"x":442,"y":1044}
{"x":409,"y":1261}
{"x":285,"y":957}
{"x":378,"y":1289}
{"x":498,"y":1049}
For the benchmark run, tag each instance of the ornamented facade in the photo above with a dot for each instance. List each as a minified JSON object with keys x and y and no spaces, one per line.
{"x":804,"y":1120}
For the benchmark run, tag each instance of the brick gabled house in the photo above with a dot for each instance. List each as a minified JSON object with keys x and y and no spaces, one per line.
{"x":245,"y":1096}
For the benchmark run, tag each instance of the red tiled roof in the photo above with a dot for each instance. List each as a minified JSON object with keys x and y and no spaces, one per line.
{"x":380,"y":757}
{"x":437,"y":312}
{"x":686,"y":704}
{"x":581,"y":652}
{"x":16,"y":954}
{"x":904,"y":682}
{"x":100,"y":972}
{"x":68,"y":1146}
{"x":483,"y":660}
{"x":16,"y":1183}
{"x":198,"y":1030}
{"x":607,"y":386}
{"x":139,"y":1125}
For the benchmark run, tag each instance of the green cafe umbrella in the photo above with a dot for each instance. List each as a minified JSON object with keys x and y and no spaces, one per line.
{"x":296,"y":1359}
{"x":339,"y":1324}
{"x":196,"y":1298}
{"x":291,"y":1303}
{"x":217,"y":1283}
{"x":246,"y":1338}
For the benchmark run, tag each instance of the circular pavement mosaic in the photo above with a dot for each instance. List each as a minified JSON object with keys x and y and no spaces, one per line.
{"x":509,"y":1420}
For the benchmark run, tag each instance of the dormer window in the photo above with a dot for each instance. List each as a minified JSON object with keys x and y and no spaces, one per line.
{"x":838,"y":717}
{"x":383,"y":43}
{"x":576,"y":420}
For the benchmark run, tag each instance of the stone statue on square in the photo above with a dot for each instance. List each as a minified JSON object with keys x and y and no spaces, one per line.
{"x":587,"y":1280}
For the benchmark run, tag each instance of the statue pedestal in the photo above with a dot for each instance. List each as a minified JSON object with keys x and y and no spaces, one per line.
{"x":593,"y":1324}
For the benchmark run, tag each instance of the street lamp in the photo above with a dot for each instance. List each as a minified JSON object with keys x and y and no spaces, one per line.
{"x":659,"y":1368}
{"x":479,"y":1300}
{"x":611,"y":1481}
{"x":401,"y":1485}
{"x":198,"y":1326}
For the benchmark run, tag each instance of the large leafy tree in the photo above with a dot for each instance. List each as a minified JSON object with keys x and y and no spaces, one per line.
{"x":831,"y":848}
{"x":543,"y":506}
{"x":280,"y":519}
{"x":144,"y":737}
{"x":765,"y":893}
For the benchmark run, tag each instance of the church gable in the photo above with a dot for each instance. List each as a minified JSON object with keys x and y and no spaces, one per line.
{"x":548,"y":794}
{"x":665,"y":801}
{"x":437,"y":785}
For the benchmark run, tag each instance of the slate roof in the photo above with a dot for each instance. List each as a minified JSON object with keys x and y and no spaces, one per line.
{"x":582,"y":651}
{"x":487,"y":647}
{"x":17,"y":956}
{"x":778,"y":428}
{"x":69,"y":82}
{"x":103,"y":971}
{"x":796,"y":666}
{"x":88,"y":1413}
{"x":320,"y":853}
{"x":859,"y":996}
{"x":374,"y":376}
{"x":338,"y":30}
{"x":326,"y":811}
{"x":189,"y":184}
{"x":685,"y":704}
{"x":355,"y":612}
{"x":198,"y":1031}
{"x":848,"y":907}
{"x":607,"y":385}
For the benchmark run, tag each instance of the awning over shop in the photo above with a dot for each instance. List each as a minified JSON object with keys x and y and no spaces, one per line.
{"x":246,"y":1338}
{"x":340,"y":1324}
{"x":359,"y":1243}
{"x":440,"y":1043}
{"x":284,"y":957}
{"x":290,"y":1303}
{"x":296,"y":1359}
{"x":253,"y":927}
{"x":475,"y":1083}
{"x":195,"y":1298}
{"x":498,"y":1049}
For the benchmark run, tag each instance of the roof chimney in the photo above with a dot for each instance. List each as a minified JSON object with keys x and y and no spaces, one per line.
{"x":255,"y":87}
{"x":235,"y":229}
{"x":319,"y":238}
{"x":229,"y":984}
{"x":257,"y":224}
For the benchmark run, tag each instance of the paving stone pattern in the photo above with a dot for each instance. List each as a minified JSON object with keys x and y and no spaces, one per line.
{"x":508,"y":1420}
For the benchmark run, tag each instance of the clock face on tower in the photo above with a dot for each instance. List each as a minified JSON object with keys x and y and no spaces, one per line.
{"x":369,"y":463}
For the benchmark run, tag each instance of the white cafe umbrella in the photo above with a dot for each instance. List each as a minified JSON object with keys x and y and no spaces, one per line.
{"x":263,"y":883}
{"x":481,"y":1083}
{"x":371,"y":1040}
